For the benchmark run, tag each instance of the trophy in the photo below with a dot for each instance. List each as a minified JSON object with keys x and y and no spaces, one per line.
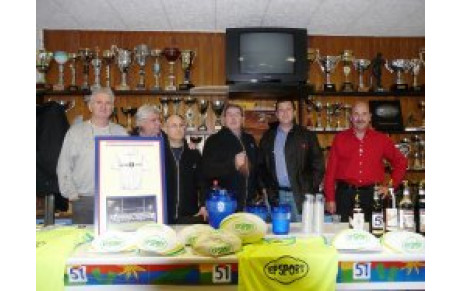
{"x":217,"y":107}
{"x":189,"y":101}
{"x":156,"y":53}
{"x":73,"y":71}
{"x":97,"y":64}
{"x":203,"y":108}
{"x":419,"y":151}
{"x":319,"y":116}
{"x":86,"y":55}
{"x":347,"y":112}
{"x":43,"y":64}
{"x":171,"y":55}
{"x":164,"y":106}
{"x":123,"y":58}
{"x":187,"y":57}
{"x":176,"y":103}
{"x":312,"y":55}
{"x":421,"y":55}
{"x":141,"y":52}
{"x":67,"y":105}
{"x":415,"y":65}
{"x":329,"y":113}
{"x":310,"y":107}
{"x":400,"y":66}
{"x":327,"y":65}
{"x":336,"y":112}
{"x":196,"y":140}
{"x":108,"y":56}
{"x":361,"y":65}
{"x":377,"y":63}
{"x":347,"y":59}
{"x":129,"y":112}
{"x":405,"y":148}
{"x":421,"y":105}
{"x":61,"y":58}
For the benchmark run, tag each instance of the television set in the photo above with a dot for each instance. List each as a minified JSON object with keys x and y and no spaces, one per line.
{"x":266,"y":55}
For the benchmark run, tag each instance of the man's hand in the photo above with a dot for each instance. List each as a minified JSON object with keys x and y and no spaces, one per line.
{"x":383,"y":190}
{"x":330,"y":207}
{"x":240,"y":160}
{"x":203,"y":212}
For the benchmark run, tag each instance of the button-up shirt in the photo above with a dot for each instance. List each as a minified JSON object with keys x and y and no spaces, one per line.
{"x":361,"y":162}
{"x":280,"y":158}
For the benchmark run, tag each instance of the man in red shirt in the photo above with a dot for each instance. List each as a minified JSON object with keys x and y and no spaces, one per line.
{"x":355,"y":165}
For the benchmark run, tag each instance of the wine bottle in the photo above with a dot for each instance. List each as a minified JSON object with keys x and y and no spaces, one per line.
{"x":376,"y":225}
{"x":406,"y":210}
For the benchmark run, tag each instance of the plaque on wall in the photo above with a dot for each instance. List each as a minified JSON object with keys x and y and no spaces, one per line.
{"x":130,"y":183}
{"x":386,"y":115}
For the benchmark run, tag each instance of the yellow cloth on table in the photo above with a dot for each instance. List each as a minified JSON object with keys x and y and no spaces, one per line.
{"x":288,"y":264}
{"x":53,"y":247}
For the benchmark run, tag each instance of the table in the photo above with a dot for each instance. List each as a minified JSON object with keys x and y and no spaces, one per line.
{"x":137,"y":271}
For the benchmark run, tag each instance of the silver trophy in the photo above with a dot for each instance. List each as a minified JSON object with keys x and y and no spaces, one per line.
{"x":337,"y":113}
{"x":415,"y":65}
{"x":217,"y":107}
{"x":319,"y":115}
{"x":329,"y":114}
{"x":141,"y":52}
{"x":43,"y":64}
{"x":108,"y":56}
{"x":418,"y":152}
{"x":86,"y":55}
{"x":361,"y":65}
{"x":60,"y":58}
{"x":203,"y":105}
{"x":156,"y":54}
{"x":347,"y":60}
{"x":399,"y":66}
{"x":327,"y":65}
{"x":176,"y":103}
{"x":405,"y":148}
{"x":123,"y":58}
{"x":171,"y":54}
{"x":164,"y":101}
{"x":189,"y":101}
{"x":97,"y":65}
{"x":73,"y":71}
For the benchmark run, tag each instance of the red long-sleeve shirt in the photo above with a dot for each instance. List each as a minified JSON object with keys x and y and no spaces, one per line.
{"x":360,"y":162}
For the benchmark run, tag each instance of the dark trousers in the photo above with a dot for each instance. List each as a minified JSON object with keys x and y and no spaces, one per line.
{"x":83,"y":210}
{"x":345,"y":200}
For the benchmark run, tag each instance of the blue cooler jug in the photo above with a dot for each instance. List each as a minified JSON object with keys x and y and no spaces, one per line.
{"x":220,"y":204}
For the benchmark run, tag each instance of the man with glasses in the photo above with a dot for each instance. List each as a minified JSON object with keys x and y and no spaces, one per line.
{"x":185,"y":198}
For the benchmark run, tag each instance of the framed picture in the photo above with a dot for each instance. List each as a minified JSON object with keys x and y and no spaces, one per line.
{"x":386,"y":115}
{"x":130,"y":183}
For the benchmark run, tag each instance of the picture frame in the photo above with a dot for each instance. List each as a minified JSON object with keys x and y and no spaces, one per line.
{"x":130,"y":184}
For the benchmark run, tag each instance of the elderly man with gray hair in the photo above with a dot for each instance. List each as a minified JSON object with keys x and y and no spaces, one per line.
{"x":148,"y":122}
{"x":76,"y":163}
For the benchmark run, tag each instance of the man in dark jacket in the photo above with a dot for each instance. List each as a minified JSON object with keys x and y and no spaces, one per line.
{"x":185,"y":199}
{"x":291,"y":162}
{"x":230,"y":157}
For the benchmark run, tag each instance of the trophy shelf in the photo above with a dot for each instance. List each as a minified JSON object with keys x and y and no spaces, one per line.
{"x":369,"y":94}
{"x":118,"y":93}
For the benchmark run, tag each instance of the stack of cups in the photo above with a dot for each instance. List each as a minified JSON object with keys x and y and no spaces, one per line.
{"x":313,"y":214}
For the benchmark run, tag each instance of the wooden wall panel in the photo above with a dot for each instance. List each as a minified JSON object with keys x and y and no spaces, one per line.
{"x":209,"y":65}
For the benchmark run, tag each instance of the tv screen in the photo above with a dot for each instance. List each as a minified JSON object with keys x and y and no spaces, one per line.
{"x":266,"y":55}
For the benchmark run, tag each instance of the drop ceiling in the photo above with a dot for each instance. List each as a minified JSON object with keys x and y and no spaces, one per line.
{"x":320,"y":17}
